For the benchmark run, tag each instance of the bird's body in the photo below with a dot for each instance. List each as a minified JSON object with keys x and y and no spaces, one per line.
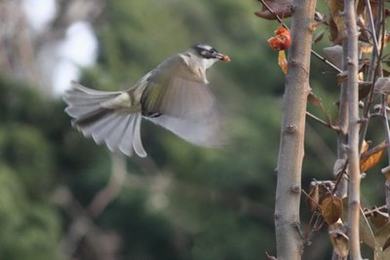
{"x":174,"y":95}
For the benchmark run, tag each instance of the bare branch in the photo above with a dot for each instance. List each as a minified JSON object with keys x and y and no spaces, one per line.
{"x":114,"y":186}
{"x":288,"y":239}
{"x":353,"y":129}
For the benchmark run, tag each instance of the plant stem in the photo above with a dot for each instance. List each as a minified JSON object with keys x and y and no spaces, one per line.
{"x":288,"y":192}
{"x":342,"y":139}
{"x":353,"y":130}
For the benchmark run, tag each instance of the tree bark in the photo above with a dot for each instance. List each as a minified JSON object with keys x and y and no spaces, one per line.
{"x":353,"y":130}
{"x":287,"y":221}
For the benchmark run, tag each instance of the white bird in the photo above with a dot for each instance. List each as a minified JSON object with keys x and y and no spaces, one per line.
{"x":175,"y":95}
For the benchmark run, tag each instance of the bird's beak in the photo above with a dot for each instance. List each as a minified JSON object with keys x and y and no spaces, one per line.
{"x":223,"y":57}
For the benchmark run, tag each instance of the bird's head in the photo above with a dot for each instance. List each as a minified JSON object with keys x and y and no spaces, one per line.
{"x":210,"y":53}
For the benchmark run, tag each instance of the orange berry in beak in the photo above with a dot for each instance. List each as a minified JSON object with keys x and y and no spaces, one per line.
{"x":226,"y":58}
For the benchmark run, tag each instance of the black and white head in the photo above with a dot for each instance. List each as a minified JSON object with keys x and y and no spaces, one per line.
{"x":209,"y":54}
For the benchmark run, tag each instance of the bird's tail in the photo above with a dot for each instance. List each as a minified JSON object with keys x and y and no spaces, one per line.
{"x":118,"y":128}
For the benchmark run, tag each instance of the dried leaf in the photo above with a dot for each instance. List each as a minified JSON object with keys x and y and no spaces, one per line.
{"x":372,"y":157}
{"x":382,"y":85}
{"x":387,"y":38}
{"x":331,"y":209}
{"x":282,"y":61}
{"x":313,"y":99}
{"x":386,"y":73}
{"x":379,"y":219}
{"x":364,"y":35}
{"x":365,"y":48}
{"x":341,"y":77}
{"x":282,"y":8}
{"x":386,"y":244}
{"x":314,"y":198}
{"x":323,"y":188}
{"x":336,"y":21}
{"x":364,"y":147}
{"x":339,"y":241}
{"x":364,"y":89}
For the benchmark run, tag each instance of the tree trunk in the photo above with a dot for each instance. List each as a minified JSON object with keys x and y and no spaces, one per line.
{"x":288,"y":191}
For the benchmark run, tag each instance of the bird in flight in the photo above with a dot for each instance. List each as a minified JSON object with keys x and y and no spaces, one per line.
{"x":175,"y":95}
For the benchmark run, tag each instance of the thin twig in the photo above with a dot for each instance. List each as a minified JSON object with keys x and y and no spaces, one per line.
{"x":373,"y":74}
{"x":273,"y":13}
{"x":308,"y":196}
{"x":316,"y":54}
{"x":372,"y":25}
{"x":384,"y":106}
{"x":370,"y":211}
{"x":340,"y":176}
{"x":319,"y":120}
{"x":327,"y":62}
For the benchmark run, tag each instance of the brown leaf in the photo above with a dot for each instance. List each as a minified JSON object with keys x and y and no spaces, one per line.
{"x":317,"y":193}
{"x":364,"y":89}
{"x":372,"y":157}
{"x":282,"y":8}
{"x":340,"y":242}
{"x":364,"y":147}
{"x":282,"y":61}
{"x":341,"y":77}
{"x":365,"y":48}
{"x":314,"y":198}
{"x":379,"y":219}
{"x":386,"y":244}
{"x":331,"y":209}
{"x":336,"y":21}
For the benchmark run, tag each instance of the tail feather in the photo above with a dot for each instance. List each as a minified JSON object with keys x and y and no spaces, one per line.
{"x":104,"y":133}
{"x":117,"y":128}
{"x":116,"y":134}
{"x":94,"y":128}
{"x":126,"y":144}
{"x":86,"y":119}
{"x":81,"y":110}
{"x":137,"y":143}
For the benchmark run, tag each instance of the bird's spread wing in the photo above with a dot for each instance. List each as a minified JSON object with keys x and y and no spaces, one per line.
{"x":184,"y":102}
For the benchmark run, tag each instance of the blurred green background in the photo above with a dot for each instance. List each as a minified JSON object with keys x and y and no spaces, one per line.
{"x":63,"y":197}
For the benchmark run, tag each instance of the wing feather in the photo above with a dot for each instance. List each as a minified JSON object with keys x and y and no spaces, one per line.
{"x":186,"y":103}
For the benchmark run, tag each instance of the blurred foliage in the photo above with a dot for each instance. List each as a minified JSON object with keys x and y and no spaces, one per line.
{"x":218,"y":204}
